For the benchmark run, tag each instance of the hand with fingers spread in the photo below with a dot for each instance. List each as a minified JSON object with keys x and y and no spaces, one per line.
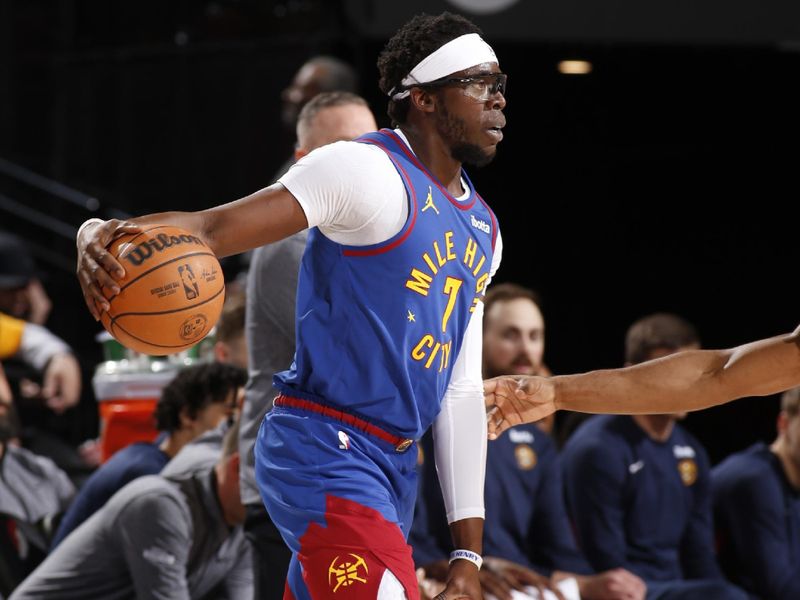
{"x":500,"y":576}
{"x":96,"y":267}
{"x":515,"y":400}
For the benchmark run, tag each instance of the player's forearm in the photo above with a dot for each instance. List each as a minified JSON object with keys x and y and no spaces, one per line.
{"x":467,"y":534}
{"x":208,"y":226}
{"x":685,"y":381}
{"x":263,"y":217}
{"x":459,"y":431}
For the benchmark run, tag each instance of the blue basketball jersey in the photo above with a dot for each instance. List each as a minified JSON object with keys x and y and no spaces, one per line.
{"x":379,"y":327}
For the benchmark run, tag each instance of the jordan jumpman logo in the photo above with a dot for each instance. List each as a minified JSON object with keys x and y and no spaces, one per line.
{"x":429,"y":202}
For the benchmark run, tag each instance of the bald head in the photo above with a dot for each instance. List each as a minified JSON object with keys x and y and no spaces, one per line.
{"x":317,"y":75}
{"x":332,"y":117}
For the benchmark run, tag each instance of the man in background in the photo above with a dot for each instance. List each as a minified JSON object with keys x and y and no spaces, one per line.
{"x":638,"y":488}
{"x":21,"y":292}
{"x":319,"y":74}
{"x":195,"y":401}
{"x":528,"y":541}
{"x":24,"y":307}
{"x":156,"y":538}
{"x":34,"y":493}
{"x":757,"y":510}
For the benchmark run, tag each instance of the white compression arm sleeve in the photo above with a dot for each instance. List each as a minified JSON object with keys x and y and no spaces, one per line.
{"x":459,"y":431}
{"x":351,"y":191}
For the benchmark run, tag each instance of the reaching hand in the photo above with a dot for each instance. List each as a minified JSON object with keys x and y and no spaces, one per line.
{"x":515,"y":400}
{"x":96,"y":267}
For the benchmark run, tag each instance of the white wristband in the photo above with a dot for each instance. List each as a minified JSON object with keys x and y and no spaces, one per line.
{"x":84,"y":224}
{"x":469,"y":555}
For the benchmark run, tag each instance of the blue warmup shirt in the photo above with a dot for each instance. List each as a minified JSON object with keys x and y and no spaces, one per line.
{"x":429,"y":536}
{"x":640,"y":504}
{"x":526,"y":517}
{"x":758,"y":515}
{"x":130,"y":463}
{"x":379,"y":327}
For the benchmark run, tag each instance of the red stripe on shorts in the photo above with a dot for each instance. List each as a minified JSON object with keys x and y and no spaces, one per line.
{"x":399,"y":443}
{"x":346,"y":558}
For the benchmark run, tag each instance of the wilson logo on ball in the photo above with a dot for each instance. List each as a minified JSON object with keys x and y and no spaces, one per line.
{"x":158,"y":243}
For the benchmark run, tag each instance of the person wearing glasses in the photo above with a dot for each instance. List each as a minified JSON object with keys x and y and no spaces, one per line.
{"x":400,"y":250}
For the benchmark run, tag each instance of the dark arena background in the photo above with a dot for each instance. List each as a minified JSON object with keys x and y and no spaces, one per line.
{"x":665,"y":179}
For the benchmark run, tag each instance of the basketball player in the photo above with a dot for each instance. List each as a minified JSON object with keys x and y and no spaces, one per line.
{"x":388,"y":319}
{"x":270,"y":331}
{"x":689,"y":380}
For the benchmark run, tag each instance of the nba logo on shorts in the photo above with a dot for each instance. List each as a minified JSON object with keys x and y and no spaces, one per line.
{"x":344,"y":441}
{"x":189,"y":282}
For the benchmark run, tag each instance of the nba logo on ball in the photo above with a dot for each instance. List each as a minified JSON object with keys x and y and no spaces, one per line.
{"x":172,"y":292}
{"x":189,"y":282}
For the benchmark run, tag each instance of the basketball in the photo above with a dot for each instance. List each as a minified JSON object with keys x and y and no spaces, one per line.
{"x":172,"y":292}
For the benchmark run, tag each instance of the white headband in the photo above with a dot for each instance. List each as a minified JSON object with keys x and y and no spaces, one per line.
{"x":456,"y":55}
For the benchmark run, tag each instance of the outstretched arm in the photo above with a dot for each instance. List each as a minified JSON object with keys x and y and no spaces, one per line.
{"x":266,"y":216}
{"x":690,"y":380}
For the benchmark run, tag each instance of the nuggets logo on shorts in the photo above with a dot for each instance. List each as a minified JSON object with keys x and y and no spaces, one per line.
{"x":526,"y":457}
{"x":347,"y":572}
{"x":688,"y":471}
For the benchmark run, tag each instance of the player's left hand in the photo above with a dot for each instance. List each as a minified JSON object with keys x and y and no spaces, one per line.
{"x":515,"y":400}
{"x":463,"y":582}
